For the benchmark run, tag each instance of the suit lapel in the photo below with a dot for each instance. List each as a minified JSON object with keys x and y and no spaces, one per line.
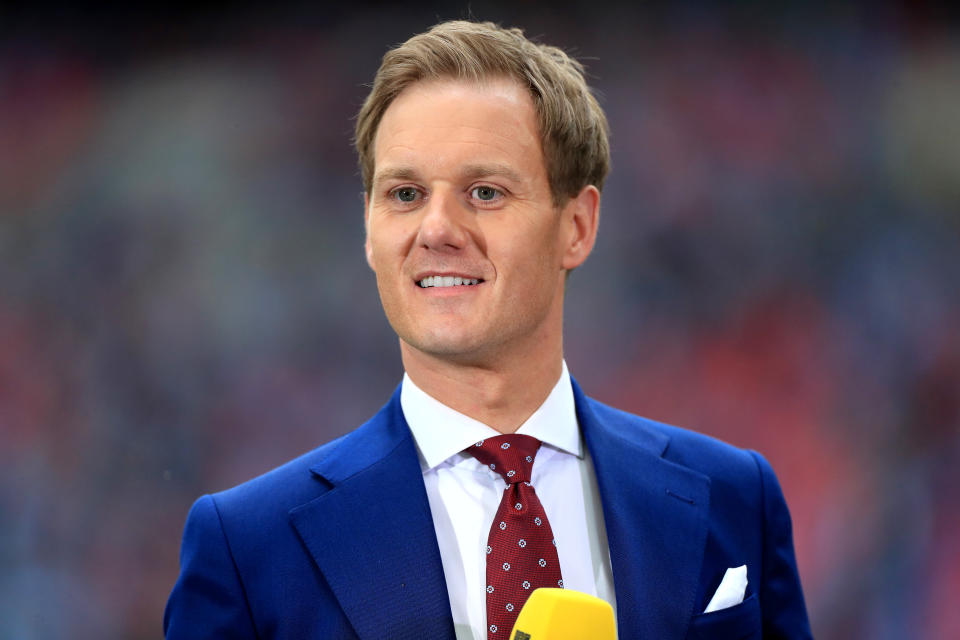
{"x":372,"y":536}
{"x":656,"y":515}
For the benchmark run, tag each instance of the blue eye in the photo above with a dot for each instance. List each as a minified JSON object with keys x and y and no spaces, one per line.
{"x":484,"y":193}
{"x":405,"y":194}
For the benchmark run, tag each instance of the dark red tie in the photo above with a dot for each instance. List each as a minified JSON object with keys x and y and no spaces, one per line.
{"x":521,"y":549}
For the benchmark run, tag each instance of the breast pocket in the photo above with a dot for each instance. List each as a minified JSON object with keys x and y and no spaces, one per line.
{"x":739,"y":622}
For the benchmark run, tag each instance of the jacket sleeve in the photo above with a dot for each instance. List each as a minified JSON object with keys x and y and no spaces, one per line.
{"x":781,"y":598}
{"x":208,"y":600}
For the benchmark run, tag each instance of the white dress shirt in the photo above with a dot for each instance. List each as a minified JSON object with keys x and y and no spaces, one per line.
{"x":464,"y":496}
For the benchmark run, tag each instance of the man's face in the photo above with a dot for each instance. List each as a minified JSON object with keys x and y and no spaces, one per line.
{"x":469,"y":252}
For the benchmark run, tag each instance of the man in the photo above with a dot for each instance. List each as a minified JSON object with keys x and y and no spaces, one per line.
{"x":483,"y":155}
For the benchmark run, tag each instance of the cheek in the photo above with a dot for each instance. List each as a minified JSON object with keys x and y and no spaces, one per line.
{"x":526,"y":266}
{"x":391,"y":237}
{"x":383,"y":245}
{"x":533,"y":246}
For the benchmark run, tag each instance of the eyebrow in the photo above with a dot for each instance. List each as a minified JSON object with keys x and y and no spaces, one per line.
{"x":395,"y":173}
{"x":468,"y":172}
{"x":495,"y":169}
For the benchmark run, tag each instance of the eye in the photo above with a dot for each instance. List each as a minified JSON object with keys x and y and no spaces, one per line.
{"x":485,"y":193}
{"x":405,"y":194}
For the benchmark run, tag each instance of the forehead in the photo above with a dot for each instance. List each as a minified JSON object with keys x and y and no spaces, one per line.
{"x":436,"y":122}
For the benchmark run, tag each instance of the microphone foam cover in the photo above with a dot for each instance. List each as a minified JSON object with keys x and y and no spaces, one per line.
{"x":564,"y":614}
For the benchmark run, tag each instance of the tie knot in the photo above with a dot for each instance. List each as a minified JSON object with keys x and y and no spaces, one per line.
{"x":511,"y":456}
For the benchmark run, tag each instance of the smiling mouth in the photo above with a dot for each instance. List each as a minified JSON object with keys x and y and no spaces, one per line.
{"x":447,"y":281}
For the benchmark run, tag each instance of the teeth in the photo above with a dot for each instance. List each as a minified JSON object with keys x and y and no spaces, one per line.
{"x":447,"y":281}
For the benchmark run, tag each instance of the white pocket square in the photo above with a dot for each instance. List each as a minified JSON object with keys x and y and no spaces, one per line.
{"x":731,"y":590}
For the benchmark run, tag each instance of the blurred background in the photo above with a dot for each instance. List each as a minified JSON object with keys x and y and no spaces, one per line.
{"x":184,"y":301}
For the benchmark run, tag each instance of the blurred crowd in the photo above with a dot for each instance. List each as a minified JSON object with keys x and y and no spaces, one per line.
{"x":184,"y":301}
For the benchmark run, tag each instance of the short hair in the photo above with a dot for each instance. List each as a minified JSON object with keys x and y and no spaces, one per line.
{"x":573,"y":128}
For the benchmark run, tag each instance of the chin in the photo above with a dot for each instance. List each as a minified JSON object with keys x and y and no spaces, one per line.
{"x":451,"y":346}
{"x":445,"y":347}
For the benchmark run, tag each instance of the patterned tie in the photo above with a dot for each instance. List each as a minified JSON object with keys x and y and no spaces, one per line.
{"x":521,"y":550}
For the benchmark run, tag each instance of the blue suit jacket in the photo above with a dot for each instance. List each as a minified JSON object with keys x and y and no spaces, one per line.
{"x":339,"y":543}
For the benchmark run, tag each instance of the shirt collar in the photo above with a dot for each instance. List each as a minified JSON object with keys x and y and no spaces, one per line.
{"x":441,"y":432}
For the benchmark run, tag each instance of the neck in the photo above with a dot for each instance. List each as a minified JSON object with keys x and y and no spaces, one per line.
{"x":501,"y":395}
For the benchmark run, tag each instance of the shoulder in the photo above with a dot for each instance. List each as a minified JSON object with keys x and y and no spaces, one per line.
{"x":312,"y":474}
{"x":710,"y":456}
{"x":743,"y":487}
{"x":281,"y":488}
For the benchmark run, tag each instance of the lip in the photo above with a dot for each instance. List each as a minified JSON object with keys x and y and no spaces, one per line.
{"x":444,"y":292}
{"x":456,"y":274}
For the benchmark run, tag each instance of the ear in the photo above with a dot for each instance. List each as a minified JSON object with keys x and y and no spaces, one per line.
{"x":366,"y":230}
{"x":580,"y":215}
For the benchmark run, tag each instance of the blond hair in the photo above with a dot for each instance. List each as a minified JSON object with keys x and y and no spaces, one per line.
{"x":573,"y":128}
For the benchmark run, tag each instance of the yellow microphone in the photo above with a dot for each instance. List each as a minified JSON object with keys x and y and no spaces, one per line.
{"x":564,"y":614}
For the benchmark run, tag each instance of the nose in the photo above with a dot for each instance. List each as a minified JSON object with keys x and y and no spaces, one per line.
{"x":442,"y":226}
